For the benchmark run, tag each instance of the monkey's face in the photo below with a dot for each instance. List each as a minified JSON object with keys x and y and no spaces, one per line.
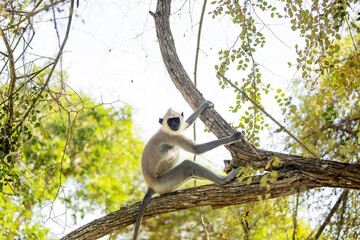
{"x":172,"y":122}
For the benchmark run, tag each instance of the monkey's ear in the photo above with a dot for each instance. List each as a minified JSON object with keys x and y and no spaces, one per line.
{"x":182,"y":114}
{"x":161,"y":120}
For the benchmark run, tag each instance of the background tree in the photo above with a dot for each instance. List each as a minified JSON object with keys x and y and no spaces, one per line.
{"x":328,"y":121}
{"x":57,"y":147}
{"x":21,"y":94}
{"x":75,"y":155}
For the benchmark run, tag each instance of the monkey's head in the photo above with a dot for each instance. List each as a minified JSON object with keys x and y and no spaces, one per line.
{"x":172,"y":122}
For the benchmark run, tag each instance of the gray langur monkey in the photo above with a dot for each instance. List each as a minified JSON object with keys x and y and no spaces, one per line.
{"x":159,"y":160}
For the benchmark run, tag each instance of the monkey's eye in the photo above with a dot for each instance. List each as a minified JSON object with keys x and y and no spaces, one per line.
{"x":182,"y":114}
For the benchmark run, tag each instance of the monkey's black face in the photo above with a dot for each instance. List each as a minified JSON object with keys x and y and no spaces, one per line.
{"x":174,"y":123}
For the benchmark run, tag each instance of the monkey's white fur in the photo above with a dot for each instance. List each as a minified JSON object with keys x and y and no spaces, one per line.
{"x":159,"y":162}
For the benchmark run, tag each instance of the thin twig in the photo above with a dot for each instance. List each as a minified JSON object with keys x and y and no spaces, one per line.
{"x":343,"y":209}
{"x":52,"y":69}
{"x":352,"y":39}
{"x":32,"y":75}
{"x":59,"y":43}
{"x":198,"y":41}
{"x":331,"y":213}
{"x":265,"y":25}
{"x":195,"y":83}
{"x":295,"y":217}
{"x":268,"y":115}
{"x":204,"y":224}
{"x":31,"y":13}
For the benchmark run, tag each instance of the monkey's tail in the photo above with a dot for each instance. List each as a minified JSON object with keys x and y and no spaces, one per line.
{"x":144,"y":203}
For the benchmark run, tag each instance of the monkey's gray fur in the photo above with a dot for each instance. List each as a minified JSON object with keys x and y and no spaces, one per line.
{"x":159,"y":161}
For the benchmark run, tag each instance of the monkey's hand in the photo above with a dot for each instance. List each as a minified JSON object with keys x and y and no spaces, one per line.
{"x":236,"y":137}
{"x":207,"y":104}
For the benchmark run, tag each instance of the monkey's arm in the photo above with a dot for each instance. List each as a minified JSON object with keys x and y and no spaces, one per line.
{"x":190,"y":146}
{"x":197,"y":112}
{"x":144,"y":203}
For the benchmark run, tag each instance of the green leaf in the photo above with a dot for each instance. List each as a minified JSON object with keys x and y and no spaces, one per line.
{"x":273,"y":173}
{"x":279,"y":129}
{"x":329,"y":109}
{"x":248,"y":181}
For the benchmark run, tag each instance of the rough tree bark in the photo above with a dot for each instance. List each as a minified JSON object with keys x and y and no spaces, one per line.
{"x":295,"y":173}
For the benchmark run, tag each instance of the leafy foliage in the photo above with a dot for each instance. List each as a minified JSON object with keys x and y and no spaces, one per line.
{"x":324,"y":109}
{"x":15,"y":130}
{"x":12,"y":225}
{"x":328,"y":122}
{"x":82,"y":147}
{"x":319,"y":24}
{"x":329,"y":115}
{"x":21,"y":92}
{"x":55,"y":145}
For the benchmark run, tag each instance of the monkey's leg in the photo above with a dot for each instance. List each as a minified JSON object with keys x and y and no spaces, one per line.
{"x":177,"y":176}
{"x":144,"y":203}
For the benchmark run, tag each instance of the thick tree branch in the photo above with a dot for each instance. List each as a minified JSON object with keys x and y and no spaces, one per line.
{"x":182,"y":81}
{"x":288,"y":183}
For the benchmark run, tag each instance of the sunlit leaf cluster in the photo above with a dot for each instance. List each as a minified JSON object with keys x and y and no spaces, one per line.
{"x":18,"y":15}
{"x":241,"y":55}
{"x":17,"y":120}
{"x":328,"y":121}
{"x":320,"y":25}
{"x":329,"y":115}
{"x":324,"y":111}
